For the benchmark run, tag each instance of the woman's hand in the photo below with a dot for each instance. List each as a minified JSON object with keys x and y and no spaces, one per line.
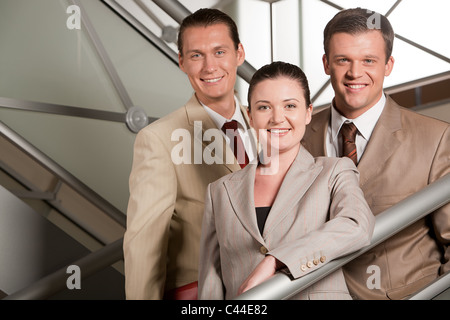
{"x":263,"y":271}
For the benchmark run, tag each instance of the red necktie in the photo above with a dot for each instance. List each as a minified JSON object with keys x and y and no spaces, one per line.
{"x":348,"y":131}
{"x":230,"y":129}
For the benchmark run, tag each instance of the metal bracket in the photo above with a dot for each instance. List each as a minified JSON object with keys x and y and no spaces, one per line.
{"x":136,"y":119}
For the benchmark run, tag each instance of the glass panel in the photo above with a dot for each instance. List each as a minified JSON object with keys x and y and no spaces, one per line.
{"x":427,"y":24}
{"x":316,"y":15}
{"x":152,"y":81}
{"x":42,"y":60}
{"x":253,"y":21}
{"x":286,"y":25}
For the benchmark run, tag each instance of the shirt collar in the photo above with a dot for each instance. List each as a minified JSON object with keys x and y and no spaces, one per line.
{"x":219,"y":120}
{"x":365,"y":123}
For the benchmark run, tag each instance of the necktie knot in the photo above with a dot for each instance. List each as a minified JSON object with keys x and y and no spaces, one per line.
{"x":236,"y":144}
{"x":348,"y":131}
{"x":230,"y":125}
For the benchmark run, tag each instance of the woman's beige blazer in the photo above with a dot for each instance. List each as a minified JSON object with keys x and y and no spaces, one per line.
{"x":319,"y":214}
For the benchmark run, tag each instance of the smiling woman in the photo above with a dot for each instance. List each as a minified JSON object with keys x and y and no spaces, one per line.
{"x":279,"y":114}
{"x":278,"y":109}
{"x":265,"y":217}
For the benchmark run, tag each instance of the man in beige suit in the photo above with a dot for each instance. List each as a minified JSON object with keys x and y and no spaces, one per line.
{"x":174,"y":160}
{"x":398,"y":152}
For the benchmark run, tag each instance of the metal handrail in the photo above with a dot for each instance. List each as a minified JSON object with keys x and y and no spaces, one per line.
{"x":56,"y":281}
{"x":279,"y":286}
{"x":433,"y":289}
{"x":389,"y":222}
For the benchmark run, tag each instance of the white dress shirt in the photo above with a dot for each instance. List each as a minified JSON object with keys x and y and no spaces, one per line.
{"x":365,"y":124}
{"x":246,"y":136}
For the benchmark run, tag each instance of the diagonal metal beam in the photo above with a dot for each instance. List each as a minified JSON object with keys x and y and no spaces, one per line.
{"x":321,"y":90}
{"x":427,"y":50}
{"x":109,"y":66}
{"x":61,"y":110}
{"x":56,"y":281}
{"x":332,"y":4}
{"x":392,"y":8}
{"x":143,"y":30}
{"x":49,"y":164}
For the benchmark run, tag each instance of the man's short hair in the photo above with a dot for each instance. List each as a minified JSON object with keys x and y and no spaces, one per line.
{"x":356,"y":21}
{"x":207,"y":17}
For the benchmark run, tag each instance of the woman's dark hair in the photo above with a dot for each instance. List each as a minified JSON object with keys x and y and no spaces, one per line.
{"x":207,"y":17}
{"x":280,"y":69}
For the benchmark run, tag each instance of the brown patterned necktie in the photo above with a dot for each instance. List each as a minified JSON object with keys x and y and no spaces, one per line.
{"x":236,"y":144}
{"x":348,"y":131}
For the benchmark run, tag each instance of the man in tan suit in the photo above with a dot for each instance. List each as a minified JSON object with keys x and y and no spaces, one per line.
{"x":398,"y":152}
{"x":174,"y":161}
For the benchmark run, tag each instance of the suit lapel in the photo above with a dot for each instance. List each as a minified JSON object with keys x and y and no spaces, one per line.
{"x":240,"y":191}
{"x":383,"y":142}
{"x":199,"y":119}
{"x":297,"y":181}
{"x":316,"y":133}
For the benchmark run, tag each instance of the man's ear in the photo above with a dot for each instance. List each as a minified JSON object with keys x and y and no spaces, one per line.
{"x":326,"y":65}
{"x":240,"y":54}
{"x":180,"y":62}
{"x":389,"y":66}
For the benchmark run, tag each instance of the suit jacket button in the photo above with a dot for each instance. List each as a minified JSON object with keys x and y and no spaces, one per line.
{"x":303,"y":267}
{"x":263,"y":250}
{"x":316,"y":262}
{"x":322,"y":259}
{"x":309,"y":264}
